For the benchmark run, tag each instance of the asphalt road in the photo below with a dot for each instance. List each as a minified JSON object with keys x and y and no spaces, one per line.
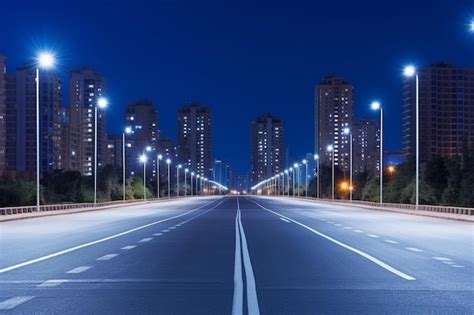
{"x":237,"y":255}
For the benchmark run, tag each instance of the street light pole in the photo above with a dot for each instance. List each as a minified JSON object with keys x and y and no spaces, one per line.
{"x":177,"y":179}
{"x":101,"y":103}
{"x":330,"y":149}
{"x":168,"y":162}
{"x":347,"y":131}
{"x":143,"y":159}
{"x":305,"y":163}
{"x":377,"y":106}
{"x":192,"y":189}
{"x":124,"y":178}
{"x":44,"y":60}
{"x":316,"y":157}
{"x":185,"y":175}
{"x":158,"y":161}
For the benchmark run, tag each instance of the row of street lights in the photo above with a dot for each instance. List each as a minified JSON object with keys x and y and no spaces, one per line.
{"x":408,"y":71}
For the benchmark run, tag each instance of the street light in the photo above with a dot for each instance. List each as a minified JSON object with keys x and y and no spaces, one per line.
{"x":185,"y":174}
{"x":347,"y":131}
{"x":177,"y":178}
{"x":288,"y":182}
{"x":297,"y":169}
{"x":168,"y":162}
{"x":316,"y":158}
{"x":330,"y":149}
{"x":197,"y":186}
{"x":377,"y":106}
{"x":305,"y":163}
{"x":102,"y":103}
{"x":158,"y":161}
{"x":410,"y":71}
{"x":127,"y":130}
{"x":192,"y":190}
{"x":292,"y":181}
{"x":44,"y":60}
{"x":143,"y":159}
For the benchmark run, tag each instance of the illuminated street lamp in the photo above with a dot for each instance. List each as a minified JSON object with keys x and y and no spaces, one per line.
{"x":410,"y":71}
{"x":44,"y":60}
{"x":159,"y":157}
{"x":192,"y":190}
{"x":288,"y":182}
{"x":347,"y":131}
{"x":168,"y":162}
{"x":197,"y":184}
{"x":305,"y":163}
{"x":127,"y":130}
{"x":102,"y":103}
{"x":293,"y":181}
{"x":471,"y":26}
{"x":185,"y":181}
{"x":316,"y":158}
{"x":143,"y":159}
{"x":178,"y":167}
{"x":377,"y":106}
{"x":330,"y":149}
{"x":297,"y":170}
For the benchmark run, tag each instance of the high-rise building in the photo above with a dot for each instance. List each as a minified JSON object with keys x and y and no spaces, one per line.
{"x":267,"y":147}
{"x":85,"y":87}
{"x":114,"y":151}
{"x":222,"y":173}
{"x":194,"y":134}
{"x":366,"y":146}
{"x":142,"y":117}
{"x":333,"y":110}
{"x":21,"y":121}
{"x":446,"y":104}
{"x":3,"y":113}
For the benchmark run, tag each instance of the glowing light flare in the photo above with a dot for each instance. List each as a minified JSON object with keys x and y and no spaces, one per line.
{"x":46,"y":60}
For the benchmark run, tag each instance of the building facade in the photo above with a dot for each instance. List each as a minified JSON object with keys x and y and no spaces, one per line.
{"x":333,"y":112}
{"x":222,"y":173}
{"x":366,"y":146}
{"x":446,"y":100}
{"x":142,"y":117}
{"x":3,"y":113}
{"x":195,"y":138}
{"x":267,"y":147}
{"x":20,"y":144}
{"x":86,"y":86}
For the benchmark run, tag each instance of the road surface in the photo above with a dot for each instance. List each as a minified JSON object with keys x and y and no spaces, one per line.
{"x":237,"y":255}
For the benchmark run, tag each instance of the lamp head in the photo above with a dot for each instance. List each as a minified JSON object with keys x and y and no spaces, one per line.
{"x":128,"y":130}
{"x":168,"y":161}
{"x":148,"y":148}
{"x":330,"y":148}
{"x":143,"y":158}
{"x":45,"y":60}
{"x":375,"y":105}
{"x":346,"y":131}
{"x":305,"y":162}
{"x":160,"y":157}
{"x":409,"y":71}
{"x":102,"y":102}
{"x":316,"y":156}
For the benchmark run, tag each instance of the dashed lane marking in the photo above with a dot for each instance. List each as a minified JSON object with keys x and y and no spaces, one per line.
{"x":283,"y":219}
{"x":79,"y":269}
{"x":146,"y":239}
{"x":107,"y":257}
{"x":390,"y":241}
{"x":158,"y":234}
{"x":52,"y":283}
{"x":129,"y":247}
{"x":14,"y":302}
{"x":414,"y":249}
{"x":442,"y":258}
{"x":358,"y":231}
{"x":372,"y":235}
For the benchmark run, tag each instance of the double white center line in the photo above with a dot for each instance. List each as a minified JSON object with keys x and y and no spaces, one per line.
{"x":241,"y":251}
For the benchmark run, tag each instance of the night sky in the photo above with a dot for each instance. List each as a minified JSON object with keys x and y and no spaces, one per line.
{"x":242,"y":58}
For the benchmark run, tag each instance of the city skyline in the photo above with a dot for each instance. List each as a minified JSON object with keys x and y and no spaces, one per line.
{"x":384,"y":82}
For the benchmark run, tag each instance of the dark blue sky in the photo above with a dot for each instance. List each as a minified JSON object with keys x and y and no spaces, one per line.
{"x":242,"y":58}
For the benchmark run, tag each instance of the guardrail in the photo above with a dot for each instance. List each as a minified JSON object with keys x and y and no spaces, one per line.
{"x":70,"y":206}
{"x":440,"y":209}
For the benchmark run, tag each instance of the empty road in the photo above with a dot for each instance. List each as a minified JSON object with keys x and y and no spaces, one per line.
{"x":237,"y":255}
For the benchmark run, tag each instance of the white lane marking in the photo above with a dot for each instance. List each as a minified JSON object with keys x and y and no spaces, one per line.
{"x":358,"y":231}
{"x":442,"y":258}
{"x":252,"y":300}
{"x":79,"y":269}
{"x":348,"y":247}
{"x":172,"y":227}
{"x":52,"y":283}
{"x":338,"y":224}
{"x":65,"y":251}
{"x":157,"y":234}
{"x":348,"y":228}
{"x":414,"y":249}
{"x":457,"y":266}
{"x":14,"y":302}
{"x":107,"y":257}
{"x":129,"y":247}
{"x":390,"y":241}
{"x":330,"y":222}
{"x":165,"y":231}
{"x":146,"y":239}
{"x":283,"y":219}
{"x":449,"y":262}
{"x":238,"y":296}
{"x":372,"y":235}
